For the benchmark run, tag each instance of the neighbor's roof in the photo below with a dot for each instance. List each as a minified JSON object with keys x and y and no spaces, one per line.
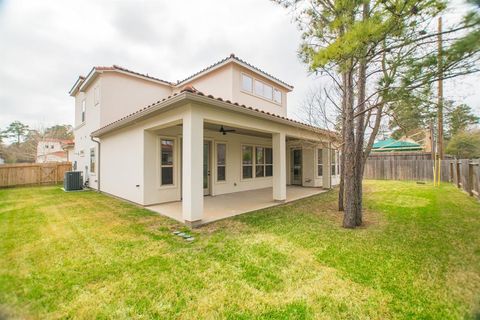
{"x":392,"y":144}
{"x":191,"y":93}
{"x":237,"y":60}
{"x":83,"y":82}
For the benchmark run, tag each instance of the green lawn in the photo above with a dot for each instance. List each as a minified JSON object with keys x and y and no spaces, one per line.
{"x":85,"y":255}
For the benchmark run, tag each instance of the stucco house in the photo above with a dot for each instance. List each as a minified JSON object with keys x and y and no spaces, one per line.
{"x":223,"y":131}
{"x":52,"y":150}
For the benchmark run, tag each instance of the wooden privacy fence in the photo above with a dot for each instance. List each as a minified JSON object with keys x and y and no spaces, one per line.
{"x":464,"y":173}
{"x":32,"y":173}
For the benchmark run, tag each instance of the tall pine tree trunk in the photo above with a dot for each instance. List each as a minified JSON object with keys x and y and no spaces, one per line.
{"x":349,"y":217}
{"x":360,"y":129}
{"x":341,"y":190}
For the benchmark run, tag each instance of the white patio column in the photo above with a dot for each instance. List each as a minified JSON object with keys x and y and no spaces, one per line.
{"x":327,"y":168}
{"x":279,"y":167}
{"x":192,"y":164}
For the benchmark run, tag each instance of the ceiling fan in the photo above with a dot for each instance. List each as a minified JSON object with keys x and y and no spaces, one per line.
{"x":224,"y":131}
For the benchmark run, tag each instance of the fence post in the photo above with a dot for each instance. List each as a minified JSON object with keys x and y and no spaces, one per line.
{"x":451,"y":172}
{"x":458,"y":173}
{"x":470,"y":178}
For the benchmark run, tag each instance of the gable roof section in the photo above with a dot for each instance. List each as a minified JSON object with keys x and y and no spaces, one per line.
{"x":191,"y":93}
{"x":83,"y":82}
{"x":234,"y":59}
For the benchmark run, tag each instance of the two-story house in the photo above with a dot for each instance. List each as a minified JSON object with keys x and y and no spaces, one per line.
{"x":220,"y":131}
{"x":52,"y":150}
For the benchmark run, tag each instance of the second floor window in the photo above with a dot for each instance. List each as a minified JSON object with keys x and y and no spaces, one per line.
{"x":260,"y":88}
{"x":263,"y":90}
{"x":247,"y":83}
{"x":84,"y":109}
{"x":277,"y":96}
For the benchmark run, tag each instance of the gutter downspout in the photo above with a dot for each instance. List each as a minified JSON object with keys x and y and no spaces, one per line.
{"x":98,"y":180}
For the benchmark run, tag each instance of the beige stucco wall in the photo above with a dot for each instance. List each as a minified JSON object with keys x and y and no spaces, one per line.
{"x":218,"y":83}
{"x":82,"y":131}
{"x":122,"y":164}
{"x":225,"y":82}
{"x":252,"y":100}
{"x":122,"y":95}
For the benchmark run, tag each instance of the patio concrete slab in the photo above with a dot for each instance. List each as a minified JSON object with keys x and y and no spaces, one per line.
{"x":232,"y":204}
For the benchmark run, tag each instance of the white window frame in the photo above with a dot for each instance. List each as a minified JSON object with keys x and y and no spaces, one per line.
{"x":94,"y":161}
{"x":334,"y":162}
{"x":320,"y":161}
{"x":244,"y":75}
{"x":281,"y":96}
{"x":241,"y":161}
{"x":160,"y":165}
{"x":216,"y":161}
{"x":261,"y":95}
{"x":254,"y":161}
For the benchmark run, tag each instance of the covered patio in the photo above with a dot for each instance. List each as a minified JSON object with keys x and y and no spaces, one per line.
{"x":232,"y":204}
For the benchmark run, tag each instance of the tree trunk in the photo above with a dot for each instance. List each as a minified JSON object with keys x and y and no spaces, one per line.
{"x":360,"y":130}
{"x":349,"y":220}
{"x":341,"y":188}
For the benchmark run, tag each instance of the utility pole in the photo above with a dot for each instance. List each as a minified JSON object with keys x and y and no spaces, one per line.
{"x":440,"y":92}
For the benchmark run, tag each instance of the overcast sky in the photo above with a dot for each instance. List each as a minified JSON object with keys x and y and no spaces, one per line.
{"x":45,"y":45}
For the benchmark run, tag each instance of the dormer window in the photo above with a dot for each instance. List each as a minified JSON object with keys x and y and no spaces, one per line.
{"x":261,"y":89}
{"x":277,"y":96}
{"x":247,"y":83}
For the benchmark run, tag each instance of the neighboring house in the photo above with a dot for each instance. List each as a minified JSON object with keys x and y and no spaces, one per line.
{"x":392,"y":145}
{"x":221,"y":130}
{"x":69,"y":148}
{"x":52,"y":150}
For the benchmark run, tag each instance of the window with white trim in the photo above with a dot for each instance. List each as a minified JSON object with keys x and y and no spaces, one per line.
{"x":258,"y":158}
{"x":320,"y":162}
{"x":166,"y":161}
{"x":92,"y":160}
{"x":84,"y":109}
{"x":221,"y":161}
{"x":247,"y":162}
{"x":263,"y":90}
{"x":335,"y":167}
{"x":277,"y":96}
{"x":247,"y":83}
{"x":263,"y":162}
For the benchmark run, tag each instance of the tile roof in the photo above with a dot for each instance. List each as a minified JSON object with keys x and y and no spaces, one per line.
{"x":191,"y":90}
{"x":234,"y":58}
{"x":117,"y":67}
